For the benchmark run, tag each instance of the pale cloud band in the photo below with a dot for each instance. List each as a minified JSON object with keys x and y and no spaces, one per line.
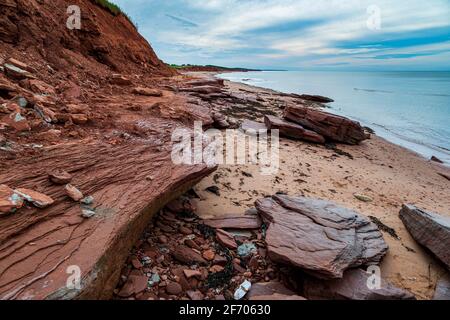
{"x":296,"y":33}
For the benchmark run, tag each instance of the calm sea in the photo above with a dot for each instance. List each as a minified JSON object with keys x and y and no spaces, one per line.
{"x":411,"y":109}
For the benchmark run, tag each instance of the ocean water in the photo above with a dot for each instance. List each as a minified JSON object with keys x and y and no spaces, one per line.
{"x":411,"y":109}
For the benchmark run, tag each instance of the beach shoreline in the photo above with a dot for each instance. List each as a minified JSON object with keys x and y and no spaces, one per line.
{"x":420,"y":144}
{"x":389,"y":174}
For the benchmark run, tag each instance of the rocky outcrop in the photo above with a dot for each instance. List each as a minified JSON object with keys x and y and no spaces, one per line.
{"x":429,"y":229}
{"x":112,"y":145}
{"x":292,"y":130}
{"x":353,"y":286}
{"x":315,"y":98}
{"x":106,"y":38}
{"x":318,"y":236}
{"x":332,"y":127}
{"x":38,"y":245}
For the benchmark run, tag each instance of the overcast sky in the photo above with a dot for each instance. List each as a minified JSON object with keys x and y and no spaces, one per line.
{"x":298,"y":34}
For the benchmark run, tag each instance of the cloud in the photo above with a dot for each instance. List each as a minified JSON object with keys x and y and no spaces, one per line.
{"x":293,"y":33}
{"x":183,"y":22}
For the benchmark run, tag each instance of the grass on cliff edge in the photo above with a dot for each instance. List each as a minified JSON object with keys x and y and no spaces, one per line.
{"x":114,"y":9}
{"x":111,"y":7}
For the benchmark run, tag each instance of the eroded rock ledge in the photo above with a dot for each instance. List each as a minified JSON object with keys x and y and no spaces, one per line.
{"x":129,"y":182}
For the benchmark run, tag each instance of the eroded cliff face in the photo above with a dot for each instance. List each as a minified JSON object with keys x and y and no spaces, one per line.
{"x":98,"y":104}
{"x":39,"y":28}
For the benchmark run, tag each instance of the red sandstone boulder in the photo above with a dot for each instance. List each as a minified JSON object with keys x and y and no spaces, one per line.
{"x":429,"y":229}
{"x":333,"y":127}
{"x":292,"y":130}
{"x":318,"y":236}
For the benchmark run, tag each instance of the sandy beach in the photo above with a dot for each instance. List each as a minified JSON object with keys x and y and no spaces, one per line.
{"x":387,"y":173}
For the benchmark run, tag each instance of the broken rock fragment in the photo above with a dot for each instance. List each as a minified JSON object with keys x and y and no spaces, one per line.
{"x":38,"y":199}
{"x":429,"y":229}
{"x":318,"y":236}
{"x":73,"y":192}
{"x":355,"y":285}
{"x":226,"y":239}
{"x":234,"y":222}
{"x":87,"y":213}
{"x":188,"y":256}
{"x":10,"y":200}
{"x":148,"y":92}
{"x":16,"y":73}
{"x":292,"y":130}
{"x":16,"y":121}
{"x":60,"y":176}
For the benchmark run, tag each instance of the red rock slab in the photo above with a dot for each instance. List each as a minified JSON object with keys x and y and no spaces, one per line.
{"x":38,"y":199}
{"x":234,"y":222}
{"x":10,"y":201}
{"x":429,"y":229}
{"x":135,"y":284}
{"x":318,"y":236}
{"x":333,"y":127}
{"x":292,"y":130}
{"x":353,"y":286}
{"x":148,"y":92}
{"x":277,"y":296}
{"x":262,"y":290}
{"x":38,"y":245}
{"x":226,"y":239}
{"x":188,"y":256}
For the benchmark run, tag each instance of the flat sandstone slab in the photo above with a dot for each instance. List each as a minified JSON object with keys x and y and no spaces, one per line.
{"x":234,"y":222}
